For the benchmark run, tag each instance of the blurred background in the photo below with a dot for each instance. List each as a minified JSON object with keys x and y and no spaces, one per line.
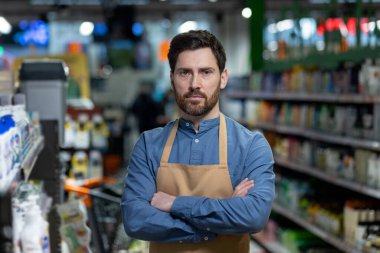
{"x":83,"y":78}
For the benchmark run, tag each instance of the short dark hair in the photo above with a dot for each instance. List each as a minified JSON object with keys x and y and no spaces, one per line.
{"x":196,"y":39}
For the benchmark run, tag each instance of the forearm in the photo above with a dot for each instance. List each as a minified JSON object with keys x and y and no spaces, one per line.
{"x":222,"y":216}
{"x":245,"y":214}
{"x":141,"y":221}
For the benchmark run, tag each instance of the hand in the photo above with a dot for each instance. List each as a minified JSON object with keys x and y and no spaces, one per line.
{"x":162,"y":201}
{"x":242,"y":189}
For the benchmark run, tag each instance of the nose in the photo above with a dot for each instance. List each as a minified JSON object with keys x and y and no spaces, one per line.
{"x":195,"y":82}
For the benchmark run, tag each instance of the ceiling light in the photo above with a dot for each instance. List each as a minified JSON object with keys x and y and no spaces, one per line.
{"x":246,"y":12}
{"x":284,"y":25}
{"x":187,"y":26}
{"x":86,"y":28}
{"x":5,"y":27}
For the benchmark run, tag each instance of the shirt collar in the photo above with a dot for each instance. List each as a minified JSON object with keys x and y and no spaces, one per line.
{"x":203,"y":126}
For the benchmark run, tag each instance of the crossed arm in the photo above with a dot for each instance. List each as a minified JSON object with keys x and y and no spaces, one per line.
{"x":156,"y":216}
{"x":164,"y":201}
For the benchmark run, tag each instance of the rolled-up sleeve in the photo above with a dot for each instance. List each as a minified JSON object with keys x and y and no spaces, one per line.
{"x":141,"y":220}
{"x":246,"y":214}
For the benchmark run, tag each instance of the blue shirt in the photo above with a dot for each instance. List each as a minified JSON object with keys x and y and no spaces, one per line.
{"x":193,"y":219}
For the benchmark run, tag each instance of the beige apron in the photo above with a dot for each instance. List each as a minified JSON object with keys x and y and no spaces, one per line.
{"x":212,"y":181}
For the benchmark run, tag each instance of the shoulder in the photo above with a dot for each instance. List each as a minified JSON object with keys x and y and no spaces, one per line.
{"x":156,"y":137}
{"x":242,"y":133}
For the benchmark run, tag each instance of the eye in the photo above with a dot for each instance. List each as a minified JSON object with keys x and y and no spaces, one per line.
{"x":207,"y":72}
{"x":183,"y":73}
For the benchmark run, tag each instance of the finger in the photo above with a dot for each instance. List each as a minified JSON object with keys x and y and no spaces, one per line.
{"x":241,"y":193}
{"x":246,"y":184}
{"x":241,"y":186}
{"x":243,"y":190}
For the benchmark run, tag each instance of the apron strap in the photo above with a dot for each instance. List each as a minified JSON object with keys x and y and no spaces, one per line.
{"x":169,"y":143}
{"x":222,"y":142}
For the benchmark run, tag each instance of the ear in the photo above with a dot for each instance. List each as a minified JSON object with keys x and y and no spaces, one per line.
{"x":223,"y":79}
{"x":171,"y":80}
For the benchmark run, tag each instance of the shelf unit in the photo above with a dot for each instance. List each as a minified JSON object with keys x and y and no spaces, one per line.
{"x":311,"y":134}
{"x":329,"y":238}
{"x":30,"y":159}
{"x":26,"y":167}
{"x":40,"y":163}
{"x":319,"y":136}
{"x":305,"y":97}
{"x":269,"y":246}
{"x":317,"y":173}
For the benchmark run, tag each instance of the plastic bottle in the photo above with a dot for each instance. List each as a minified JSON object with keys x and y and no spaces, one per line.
{"x":95,"y":165}
{"x":34,"y":237}
{"x":22,"y":122}
{"x":69,"y":132}
{"x":7,"y":142}
{"x":82,"y":138}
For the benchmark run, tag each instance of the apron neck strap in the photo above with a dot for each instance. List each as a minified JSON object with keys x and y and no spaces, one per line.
{"x":222,"y":142}
{"x":169,"y":143}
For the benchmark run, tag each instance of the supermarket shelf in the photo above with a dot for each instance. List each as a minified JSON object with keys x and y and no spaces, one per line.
{"x":327,"y":237}
{"x":305,"y":97}
{"x":27,"y":165}
{"x":30,"y":159}
{"x":317,"y":173}
{"x":319,"y":136}
{"x":269,"y":246}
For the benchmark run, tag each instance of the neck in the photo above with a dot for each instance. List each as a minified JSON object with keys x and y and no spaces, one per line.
{"x":196,"y":120}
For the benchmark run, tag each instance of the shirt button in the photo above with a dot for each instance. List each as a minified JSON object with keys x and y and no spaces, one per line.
{"x":196,"y":140}
{"x":187,"y":124}
{"x":208,"y":229}
{"x":180,"y":241}
{"x":205,"y":238}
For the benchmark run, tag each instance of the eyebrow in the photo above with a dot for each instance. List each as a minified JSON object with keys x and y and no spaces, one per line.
{"x":200,"y":69}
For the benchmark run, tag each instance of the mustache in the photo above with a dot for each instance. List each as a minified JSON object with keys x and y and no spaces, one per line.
{"x":195,"y":93}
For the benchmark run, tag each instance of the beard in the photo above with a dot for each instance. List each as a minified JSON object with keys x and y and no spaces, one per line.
{"x":197,"y":108}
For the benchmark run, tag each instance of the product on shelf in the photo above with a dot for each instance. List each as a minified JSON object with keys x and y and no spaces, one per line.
{"x":79,"y":167}
{"x":99,"y":133}
{"x":70,"y":130}
{"x":31,"y":229}
{"x":95,"y":169}
{"x":75,"y":233}
{"x":82,"y":137}
{"x":361,"y":224}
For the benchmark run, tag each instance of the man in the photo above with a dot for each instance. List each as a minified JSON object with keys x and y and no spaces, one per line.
{"x":189,"y":186}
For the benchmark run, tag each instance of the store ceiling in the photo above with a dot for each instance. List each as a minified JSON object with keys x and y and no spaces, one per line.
{"x":96,"y":10}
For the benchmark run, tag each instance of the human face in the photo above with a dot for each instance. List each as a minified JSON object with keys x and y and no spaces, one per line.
{"x":197,"y":82}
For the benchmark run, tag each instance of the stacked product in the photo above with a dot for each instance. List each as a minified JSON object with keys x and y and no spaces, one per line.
{"x":31,"y":229}
{"x":358,"y":165}
{"x":19,"y":131}
{"x":85,"y":140}
{"x":76,"y":235}
{"x":348,"y":79}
